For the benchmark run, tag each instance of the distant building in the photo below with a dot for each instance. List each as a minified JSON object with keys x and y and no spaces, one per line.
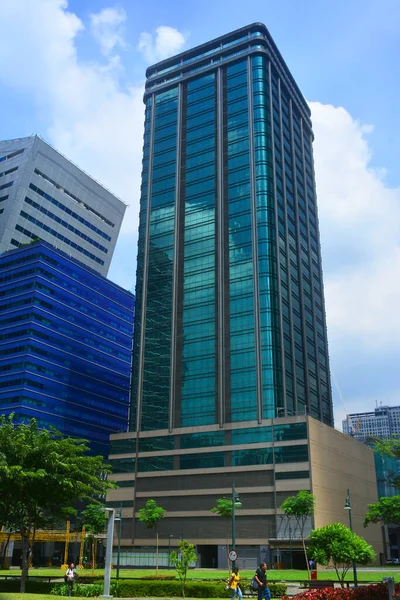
{"x":383,"y":422}
{"x":45,"y":196}
{"x":65,"y":344}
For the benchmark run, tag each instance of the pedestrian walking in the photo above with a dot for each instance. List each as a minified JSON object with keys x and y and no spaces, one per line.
{"x":261,"y":578}
{"x":234,"y":584}
{"x":70,"y":576}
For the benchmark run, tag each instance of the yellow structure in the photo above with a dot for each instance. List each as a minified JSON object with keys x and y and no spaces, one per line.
{"x":51,"y":535}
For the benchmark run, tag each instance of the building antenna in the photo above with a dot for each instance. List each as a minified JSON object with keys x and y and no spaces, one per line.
{"x":339,"y":392}
{"x":348,"y":418}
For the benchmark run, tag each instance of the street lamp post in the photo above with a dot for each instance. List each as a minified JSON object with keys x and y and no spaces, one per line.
{"x":109,"y":546}
{"x":119,"y":518}
{"x":290,"y":547}
{"x":169,"y":548}
{"x":235,"y":504}
{"x":348,"y":507}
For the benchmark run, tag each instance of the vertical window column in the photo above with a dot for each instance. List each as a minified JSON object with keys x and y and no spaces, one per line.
{"x":266,"y":238}
{"x":140,"y":292}
{"x":198,"y":392}
{"x":294,"y":350}
{"x":158,"y":318}
{"x":241,"y":291}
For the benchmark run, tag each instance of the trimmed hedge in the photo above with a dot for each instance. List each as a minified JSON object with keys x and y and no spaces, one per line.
{"x":156,"y":589}
{"x":137,"y":588}
{"x":32,"y":587}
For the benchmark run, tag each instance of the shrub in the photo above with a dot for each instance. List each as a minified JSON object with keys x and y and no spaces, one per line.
{"x":87,"y":591}
{"x":365,"y":592}
{"x":277,"y":590}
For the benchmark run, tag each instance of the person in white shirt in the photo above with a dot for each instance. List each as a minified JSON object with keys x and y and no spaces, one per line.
{"x":70,"y":575}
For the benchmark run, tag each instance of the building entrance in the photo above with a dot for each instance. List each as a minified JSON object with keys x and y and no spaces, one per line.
{"x":207,"y":557}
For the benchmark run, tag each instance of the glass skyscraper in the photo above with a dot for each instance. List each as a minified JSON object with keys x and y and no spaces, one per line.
{"x":230,"y":380}
{"x":230,"y":320}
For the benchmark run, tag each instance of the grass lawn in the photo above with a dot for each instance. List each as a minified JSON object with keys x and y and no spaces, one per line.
{"x":4,"y":596}
{"x":273,"y":575}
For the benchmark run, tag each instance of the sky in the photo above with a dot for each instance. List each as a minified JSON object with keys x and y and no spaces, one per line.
{"x":73,"y":72}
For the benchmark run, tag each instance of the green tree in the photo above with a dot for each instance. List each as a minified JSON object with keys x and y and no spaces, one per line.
{"x":151,"y":514}
{"x":338,"y":545}
{"x":181,"y":561}
{"x":301,"y":506}
{"x":223,"y":508}
{"x":94,"y":519}
{"x":390,"y":447}
{"x":42,"y":475}
{"x":387,"y":511}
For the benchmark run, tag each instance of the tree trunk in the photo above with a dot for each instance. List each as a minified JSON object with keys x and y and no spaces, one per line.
{"x":93,"y":556}
{"x":305,"y":554}
{"x":156,"y":552}
{"x":5,"y":564}
{"x":25,"y":558}
{"x":340,"y":576}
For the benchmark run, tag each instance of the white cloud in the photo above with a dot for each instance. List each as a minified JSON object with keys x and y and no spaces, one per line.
{"x":97,"y":122}
{"x":166,"y":42}
{"x":107,"y":29}
{"x":91,"y":117}
{"x":360,"y":232}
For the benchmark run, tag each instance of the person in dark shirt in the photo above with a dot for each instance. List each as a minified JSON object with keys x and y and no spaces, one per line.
{"x":261,"y":578}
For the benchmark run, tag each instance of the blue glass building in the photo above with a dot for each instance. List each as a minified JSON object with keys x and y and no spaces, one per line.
{"x":65,"y":344}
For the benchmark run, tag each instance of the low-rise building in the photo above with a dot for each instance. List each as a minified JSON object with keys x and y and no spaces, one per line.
{"x":265,"y":464}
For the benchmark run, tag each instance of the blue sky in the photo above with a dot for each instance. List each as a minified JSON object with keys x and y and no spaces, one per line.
{"x":73,"y":72}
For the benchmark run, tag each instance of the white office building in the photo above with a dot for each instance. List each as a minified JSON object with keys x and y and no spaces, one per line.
{"x":383,"y":422}
{"x":45,"y":196}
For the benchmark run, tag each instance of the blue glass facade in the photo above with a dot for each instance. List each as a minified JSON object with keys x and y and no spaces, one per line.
{"x":230,"y":320}
{"x":65,"y":344}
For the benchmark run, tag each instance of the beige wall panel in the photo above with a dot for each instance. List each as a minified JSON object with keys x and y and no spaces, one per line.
{"x":339,"y":462}
{"x":292,"y":485}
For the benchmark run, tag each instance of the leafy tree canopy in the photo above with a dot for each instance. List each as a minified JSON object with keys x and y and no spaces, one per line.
{"x":390,"y":447}
{"x":94,"y":518}
{"x":337,"y":544}
{"x":223,"y":508}
{"x":300,"y":505}
{"x":42,"y":475}
{"x":387,"y":511}
{"x":151,"y":514}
